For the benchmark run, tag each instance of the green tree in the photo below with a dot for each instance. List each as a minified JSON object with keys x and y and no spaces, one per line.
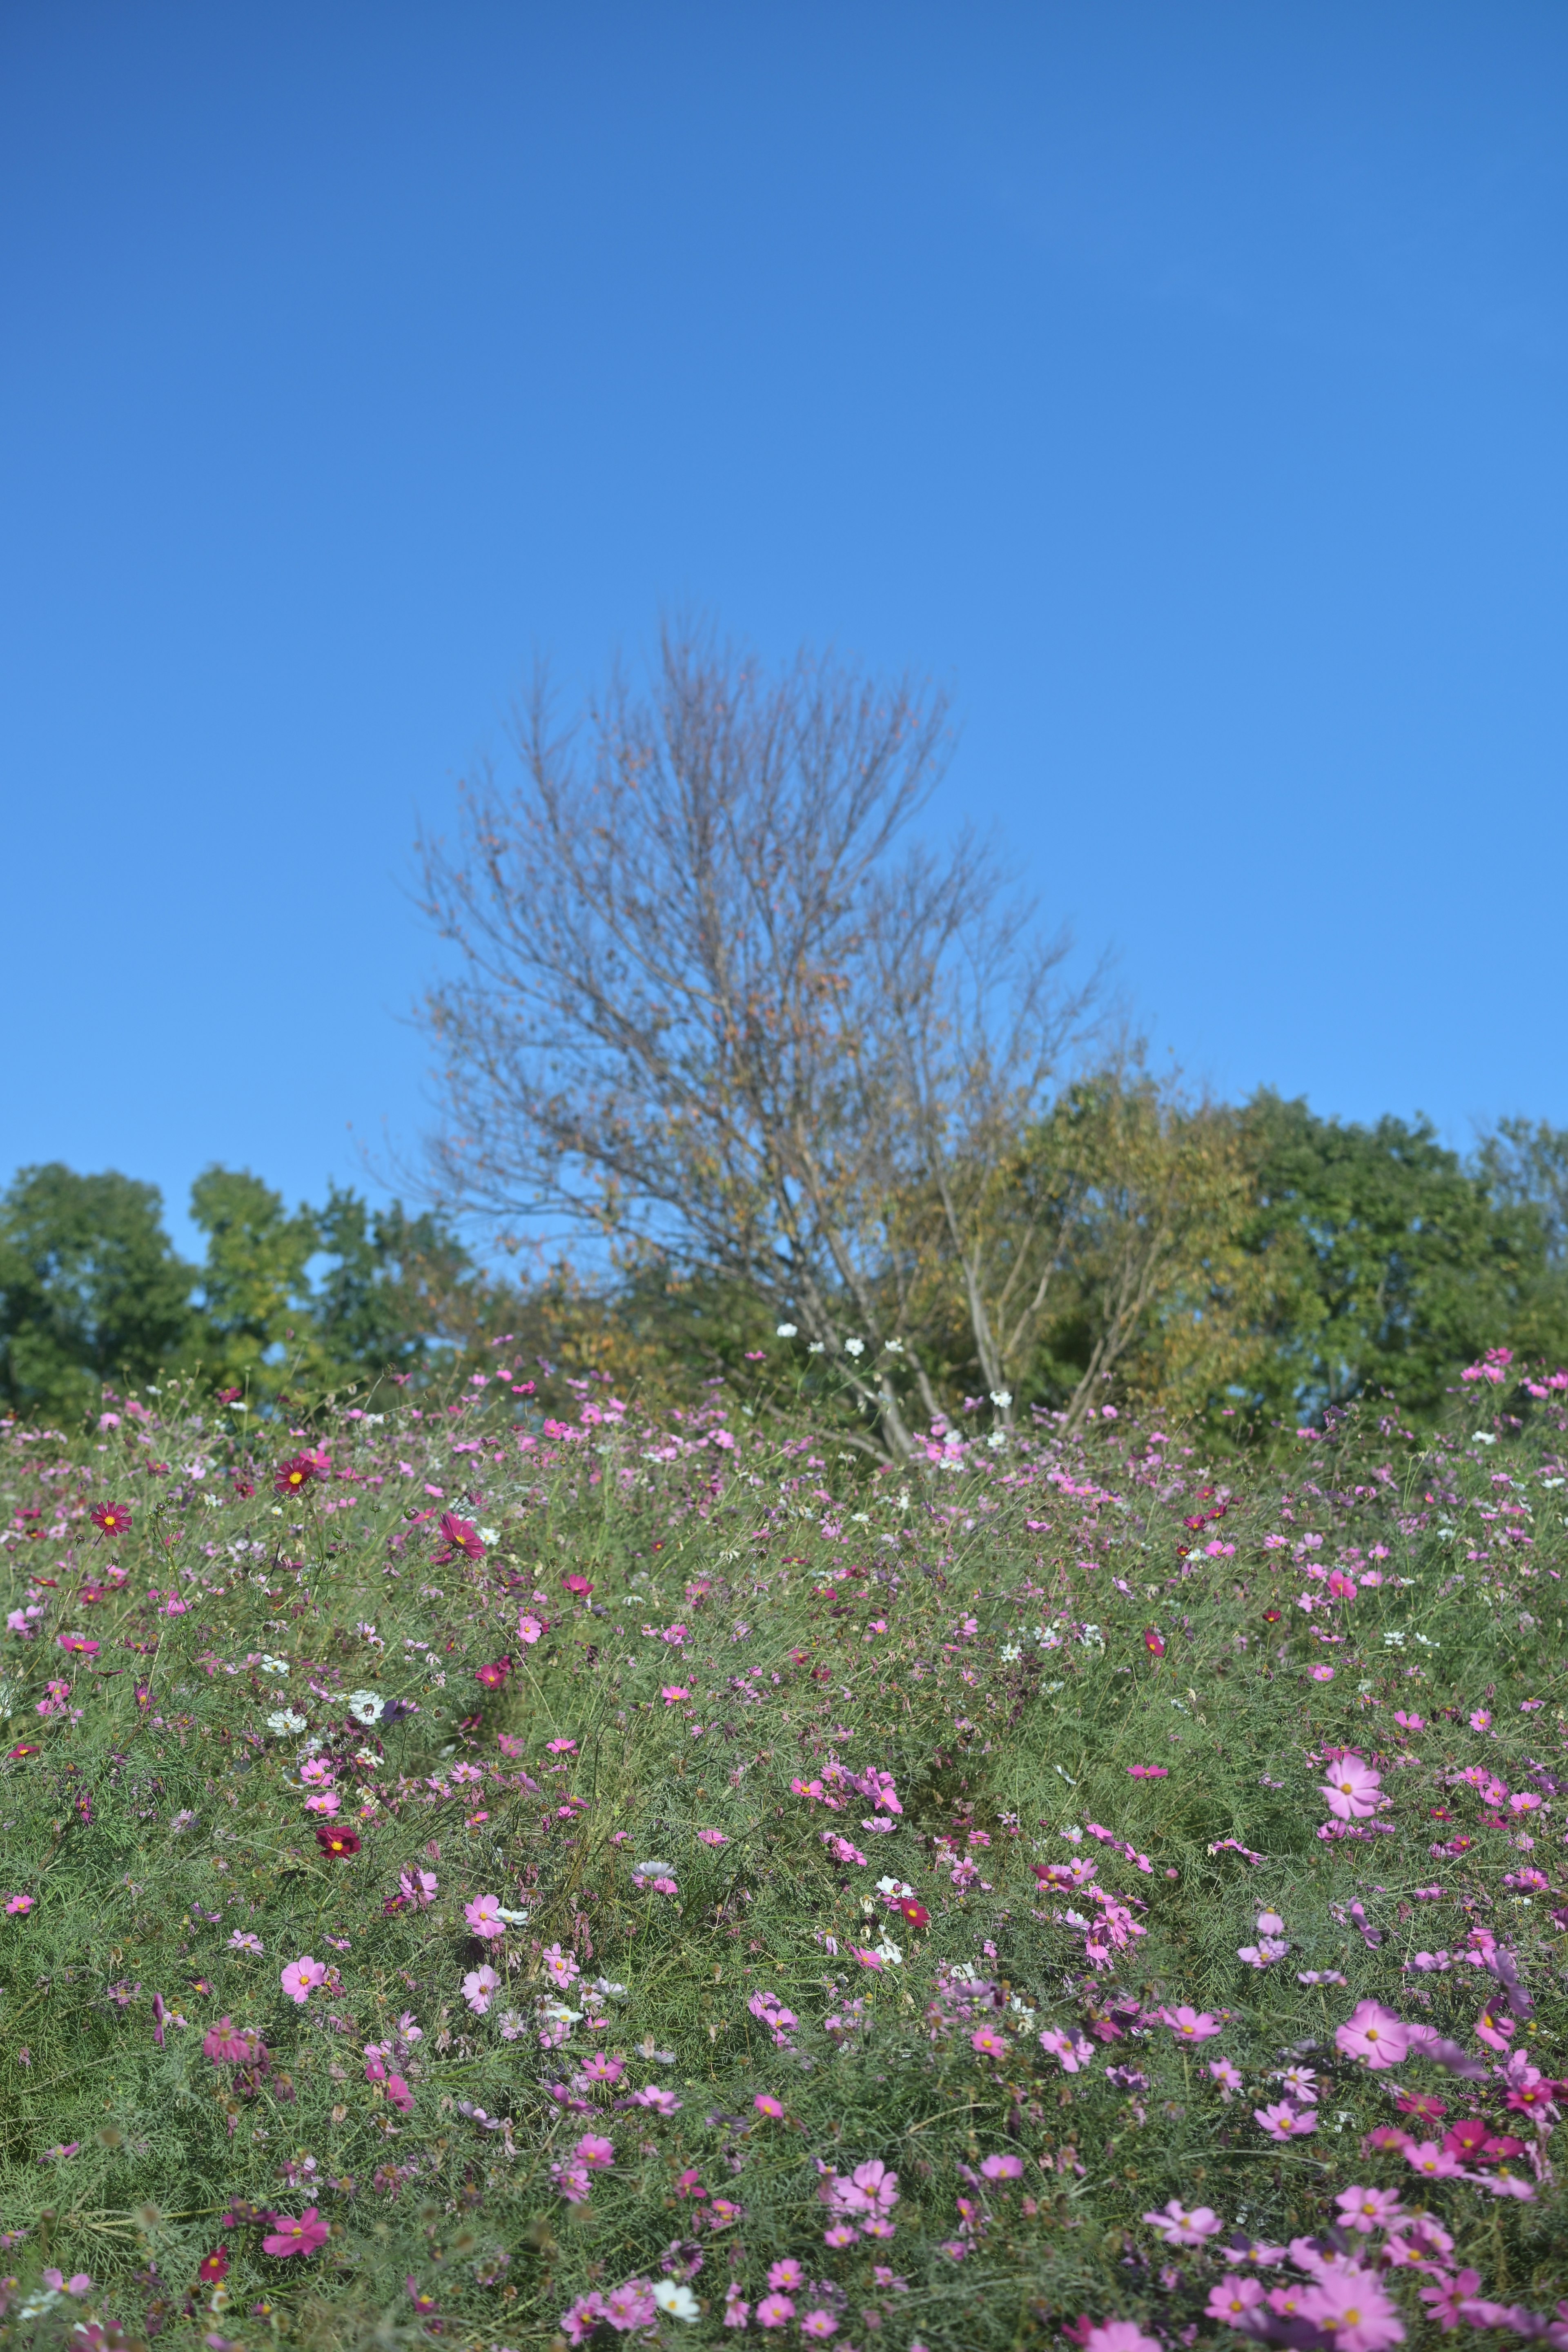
{"x":1392,"y":1263}
{"x":90,"y":1288}
{"x":396,"y":1284}
{"x":256,"y":1294}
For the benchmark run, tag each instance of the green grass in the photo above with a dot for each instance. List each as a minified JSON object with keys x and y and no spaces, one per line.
{"x":169,"y":1719}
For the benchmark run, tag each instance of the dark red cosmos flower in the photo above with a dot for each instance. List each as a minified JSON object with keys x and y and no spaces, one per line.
{"x":577,"y":1584}
{"x":461,"y":1535}
{"x":1271,"y":1616}
{"x":214,"y":2267}
{"x":297,"y":1472}
{"x":244,"y":1488}
{"x":113,"y":1518}
{"x":493,"y":1674}
{"x":23,"y":1747}
{"x":1153,"y":1643}
{"x":338,"y":1844}
{"x":229,"y":1396}
{"x":913,"y":1913}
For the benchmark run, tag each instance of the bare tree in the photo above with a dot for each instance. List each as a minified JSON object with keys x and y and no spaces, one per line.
{"x":710,"y":998}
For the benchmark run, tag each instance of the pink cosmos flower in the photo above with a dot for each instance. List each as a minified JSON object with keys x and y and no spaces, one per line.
{"x":819,"y":2325}
{"x":595,"y":2153}
{"x":1348,"y":2303}
{"x":301,"y":2237}
{"x":1353,"y":1790}
{"x":1375,"y":2033}
{"x":602,"y":2068}
{"x":477,"y":1987}
{"x":990,"y":2044}
{"x":1280,"y":2121}
{"x":398,"y":2092}
{"x":1116,"y":2335}
{"x":528,"y":1628}
{"x":1225,"y":2076}
{"x":775,"y":2311}
{"x":711,"y":1837}
{"x":786,"y":2277}
{"x":1232,"y":2299}
{"x":324,"y":1801}
{"x":1179,"y":2227}
{"x":299,"y":1976}
{"x":766,"y":2104}
{"x":1481,"y":1720}
{"x":630,"y":2306}
{"x":1190,"y":2024}
{"x":483,"y":1916}
{"x":1003,"y":2168}
{"x":673,"y":1692}
{"x":1431,"y":2161}
{"x":578,"y":2323}
{"x":1368,"y":2209}
{"x":16,"y":1904}
{"x":1072,"y":2049}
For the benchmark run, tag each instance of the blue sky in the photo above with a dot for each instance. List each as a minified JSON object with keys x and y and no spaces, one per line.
{"x":1184,"y":387}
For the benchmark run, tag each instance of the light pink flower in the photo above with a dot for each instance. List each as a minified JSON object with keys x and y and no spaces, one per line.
{"x":301,"y":1976}
{"x":477,"y":1987}
{"x":483,"y":1916}
{"x":596,"y":2153}
{"x":1349,"y":2302}
{"x":1190,"y":2024}
{"x":1368,"y":2209}
{"x":1352,"y":1789}
{"x":1180,"y":2227}
{"x":1280,"y":2121}
{"x":1116,"y":2335}
{"x":775,"y":2311}
{"x":1375,"y":2033}
{"x":1431,"y":2161}
{"x":1233,"y":2298}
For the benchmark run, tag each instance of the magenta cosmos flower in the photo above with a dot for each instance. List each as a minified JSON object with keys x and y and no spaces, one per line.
{"x":301,"y":2237}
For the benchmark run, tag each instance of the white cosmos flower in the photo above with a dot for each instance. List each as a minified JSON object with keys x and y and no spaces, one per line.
{"x":677,"y":2300}
{"x":366,"y":1706}
{"x":1002,"y":1398}
{"x":272,"y":1666}
{"x":854,"y":1347}
{"x":285,"y":1721}
{"x":787,"y":1331}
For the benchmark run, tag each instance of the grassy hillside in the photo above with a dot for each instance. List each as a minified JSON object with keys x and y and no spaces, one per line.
{"x":630,"y":1877}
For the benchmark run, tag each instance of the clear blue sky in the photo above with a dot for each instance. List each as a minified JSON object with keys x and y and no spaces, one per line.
{"x":1184,"y":386}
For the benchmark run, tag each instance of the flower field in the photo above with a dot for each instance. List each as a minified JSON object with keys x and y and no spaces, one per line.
{"x":504,"y":1866}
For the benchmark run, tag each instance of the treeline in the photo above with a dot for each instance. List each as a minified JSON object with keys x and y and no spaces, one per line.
{"x":1253,"y":1263}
